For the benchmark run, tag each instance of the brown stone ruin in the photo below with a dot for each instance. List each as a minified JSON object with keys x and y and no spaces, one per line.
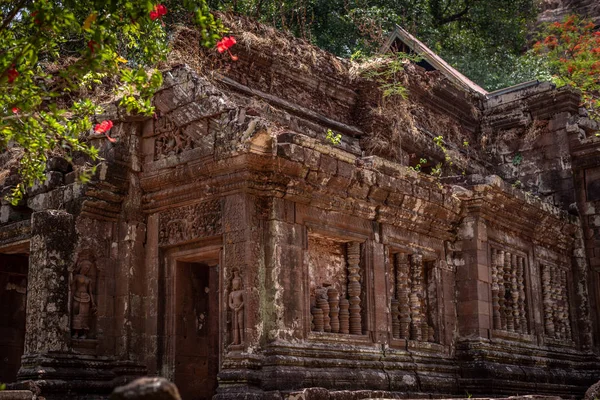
{"x":228,"y":247}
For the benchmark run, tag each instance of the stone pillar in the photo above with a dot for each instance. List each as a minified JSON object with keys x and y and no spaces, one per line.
{"x":52,"y":245}
{"x":473,"y":280}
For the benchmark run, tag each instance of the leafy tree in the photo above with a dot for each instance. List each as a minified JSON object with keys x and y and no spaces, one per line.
{"x":53,"y":53}
{"x":468,"y":33}
{"x":571,"y":49}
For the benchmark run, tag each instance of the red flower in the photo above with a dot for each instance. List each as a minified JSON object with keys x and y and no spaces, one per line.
{"x":12,"y":74}
{"x":35,"y":20}
{"x":158,"y":11}
{"x":225,"y":44}
{"x":570,"y":68}
{"x":104,"y":127}
{"x":92,"y":45}
{"x":15,"y":110}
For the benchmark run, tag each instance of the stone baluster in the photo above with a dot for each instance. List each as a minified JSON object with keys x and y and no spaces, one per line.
{"x":354,"y":287}
{"x":514,"y":293}
{"x":334,"y":309}
{"x":344,"y":316}
{"x":555,"y":301}
{"x":424,"y":306}
{"x":521,"y":284}
{"x":547,"y":293}
{"x":317,"y":319}
{"x":510,"y":322}
{"x":323,"y":304}
{"x":403,"y":293}
{"x":416,"y":316}
{"x":501,"y":289}
{"x":395,"y":320}
{"x":495,"y":304}
{"x":565,"y":296}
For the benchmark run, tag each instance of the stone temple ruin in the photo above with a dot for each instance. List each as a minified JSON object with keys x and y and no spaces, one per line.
{"x":229,"y":246}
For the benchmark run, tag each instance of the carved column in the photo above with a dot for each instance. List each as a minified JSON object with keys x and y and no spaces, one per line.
{"x":403,"y":292}
{"x":514,"y":293}
{"x":395,"y":321}
{"x":323,"y":304}
{"x":510,"y":322}
{"x":547,"y":292}
{"x":495,"y":297}
{"x":521,"y":284}
{"x":555,"y":301}
{"x":334,"y":310}
{"x":317,"y":314}
{"x":501,"y":289}
{"x":416,"y":294}
{"x":565,"y":297}
{"x":354,"y":288}
{"x":344,"y":316}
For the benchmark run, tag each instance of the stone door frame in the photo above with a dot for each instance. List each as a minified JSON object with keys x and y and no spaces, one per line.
{"x":206,"y":252}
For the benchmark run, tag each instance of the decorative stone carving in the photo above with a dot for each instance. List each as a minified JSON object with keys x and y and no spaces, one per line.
{"x":172,"y":143}
{"x":521,"y":284}
{"x":556,"y":303}
{"x":334,"y":309}
{"x":83,"y":304}
{"x":354,"y":287}
{"x":317,"y":314}
{"x":508,"y":291}
{"x":323,"y":304}
{"x":548,"y":301}
{"x":344,"y":316}
{"x":236,"y":304}
{"x":495,"y":289}
{"x":190,"y":222}
{"x":395,"y":321}
{"x":416,"y":296}
{"x":501,"y":289}
{"x":402,"y":293}
{"x":510,"y":322}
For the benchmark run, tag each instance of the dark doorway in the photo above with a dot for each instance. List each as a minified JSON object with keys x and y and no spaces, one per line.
{"x":196,"y":331}
{"x":13,"y":303}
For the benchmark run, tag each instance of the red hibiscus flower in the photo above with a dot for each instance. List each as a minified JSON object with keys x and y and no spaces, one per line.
{"x":12,"y":74}
{"x":104,"y":127}
{"x":225,"y":44}
{"x":15,"y":110}
{"x":158,"y":11}
{"x":92,"y":45}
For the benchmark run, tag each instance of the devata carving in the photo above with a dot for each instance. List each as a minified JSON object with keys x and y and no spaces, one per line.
{"x":236,"y":304}
{"x":190,"y":222}
{"x":83,"y":304}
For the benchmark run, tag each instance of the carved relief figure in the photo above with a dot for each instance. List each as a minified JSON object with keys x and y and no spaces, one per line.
{"x":83,"y":302}
{"x":236,"y":304}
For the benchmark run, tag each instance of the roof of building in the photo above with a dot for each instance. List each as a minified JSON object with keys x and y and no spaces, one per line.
{"x":418,"y":47}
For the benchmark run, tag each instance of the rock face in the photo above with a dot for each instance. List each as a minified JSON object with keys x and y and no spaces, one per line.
{"x":555,"y":10}
{"x":229,"y":247}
